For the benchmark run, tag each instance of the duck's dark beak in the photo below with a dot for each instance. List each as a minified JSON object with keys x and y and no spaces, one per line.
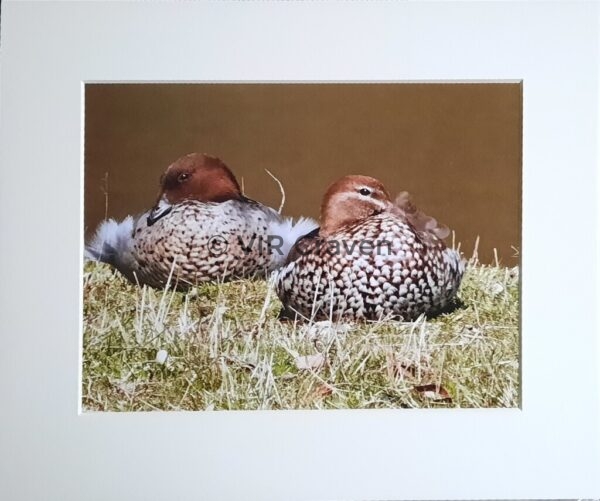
{"x":161,"y":209}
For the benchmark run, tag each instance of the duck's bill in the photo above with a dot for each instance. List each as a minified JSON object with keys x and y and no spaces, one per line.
{"x":161,"y":209}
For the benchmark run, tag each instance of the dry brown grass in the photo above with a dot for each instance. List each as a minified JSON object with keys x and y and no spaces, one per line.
{"x":226,"y":349}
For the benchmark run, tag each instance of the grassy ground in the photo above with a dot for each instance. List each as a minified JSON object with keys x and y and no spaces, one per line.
{"x":222,"y":347}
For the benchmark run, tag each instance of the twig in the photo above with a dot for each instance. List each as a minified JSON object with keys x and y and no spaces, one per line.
{"x":280,"y":189}
{"x":475,"y":256}
{"x":105,"y":191}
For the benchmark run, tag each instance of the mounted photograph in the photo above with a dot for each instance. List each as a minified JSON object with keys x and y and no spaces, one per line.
{"x":267,"y":246}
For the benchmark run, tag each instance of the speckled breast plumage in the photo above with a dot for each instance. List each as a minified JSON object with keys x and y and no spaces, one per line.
{"x":378,"y":267}
{"x":204,"y":242}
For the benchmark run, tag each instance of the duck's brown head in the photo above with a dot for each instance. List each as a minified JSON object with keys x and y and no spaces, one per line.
{"x":351,"y":199}
{"x":194,"y":177}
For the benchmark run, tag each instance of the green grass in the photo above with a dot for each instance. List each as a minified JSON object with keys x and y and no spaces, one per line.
{"x":226,"y":349}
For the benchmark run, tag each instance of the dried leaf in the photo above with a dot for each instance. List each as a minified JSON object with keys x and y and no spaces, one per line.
{"x":324,"y":390}
{"x":434,"y":392}
{"x":310,"y":362}
{"x":407,"y":368}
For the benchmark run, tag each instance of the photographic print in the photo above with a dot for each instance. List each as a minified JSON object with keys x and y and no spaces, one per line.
{"x":301,"y":246}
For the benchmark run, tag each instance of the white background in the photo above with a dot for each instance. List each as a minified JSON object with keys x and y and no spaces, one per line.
{"x":550,"y":448}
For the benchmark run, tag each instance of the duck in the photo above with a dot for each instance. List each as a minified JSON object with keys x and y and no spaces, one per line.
{"x":201,"y":229}
{"x":371,"y":259}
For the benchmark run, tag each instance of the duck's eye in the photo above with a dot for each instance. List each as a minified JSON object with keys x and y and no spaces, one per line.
{"x":182,"y":177}
{"x":365,"y":192}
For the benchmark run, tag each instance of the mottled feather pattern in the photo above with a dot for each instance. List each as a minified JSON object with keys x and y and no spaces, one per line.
{"x":198,"y":242}
{"x":403,"y":276}
{"x":206,"y":242}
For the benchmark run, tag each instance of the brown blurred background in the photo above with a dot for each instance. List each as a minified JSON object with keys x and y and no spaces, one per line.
{"x":455,"y":147}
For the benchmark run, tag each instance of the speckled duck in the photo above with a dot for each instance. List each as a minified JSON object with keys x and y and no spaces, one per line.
{"x":202,"y":229}
{"x":371,"y":259}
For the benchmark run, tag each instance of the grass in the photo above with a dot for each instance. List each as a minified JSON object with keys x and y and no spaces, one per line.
{"x":221,"y":346}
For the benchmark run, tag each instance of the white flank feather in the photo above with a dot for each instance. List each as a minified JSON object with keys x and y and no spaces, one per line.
{"x":112,"y":244}
{"x":289,"y":232}
{"x":111,"y":238}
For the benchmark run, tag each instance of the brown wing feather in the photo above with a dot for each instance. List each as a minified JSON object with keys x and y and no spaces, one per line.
{"x":423,"y":223}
